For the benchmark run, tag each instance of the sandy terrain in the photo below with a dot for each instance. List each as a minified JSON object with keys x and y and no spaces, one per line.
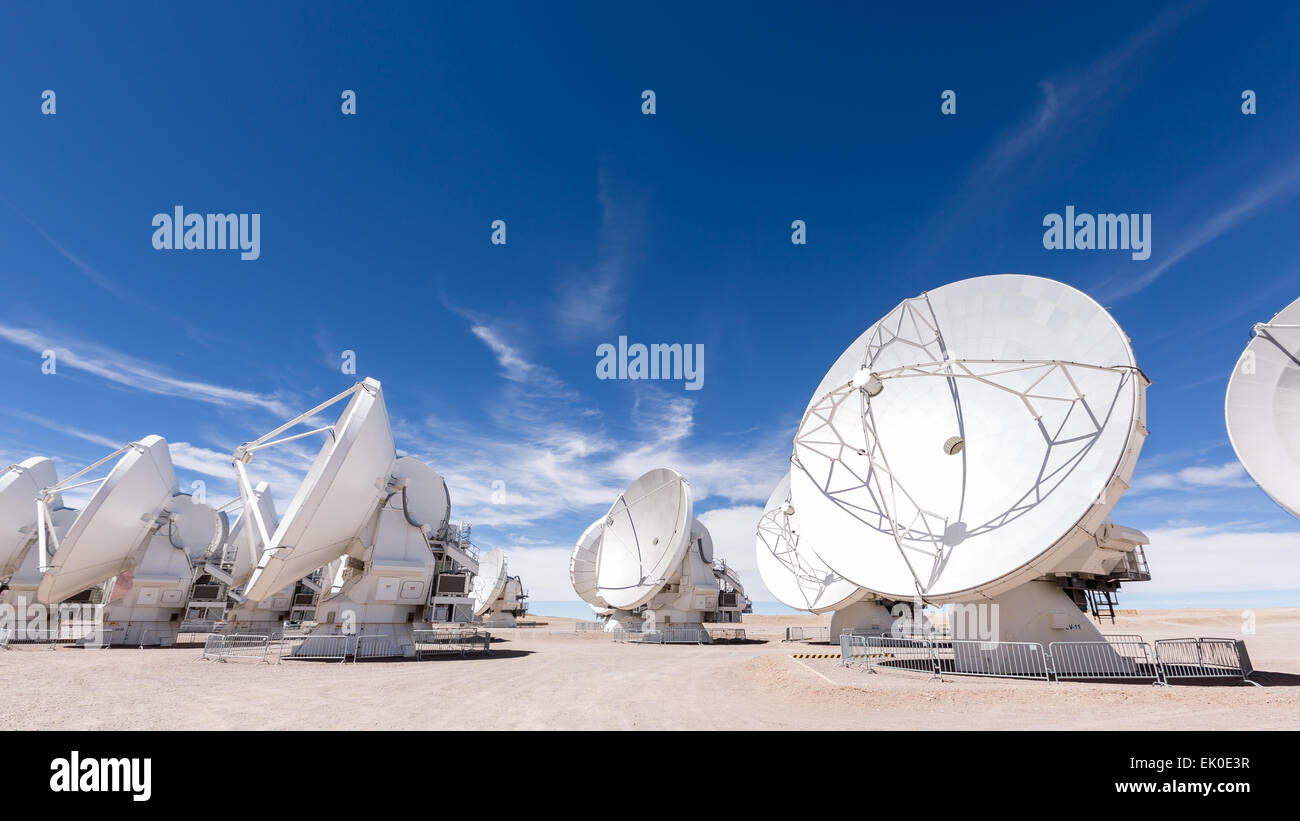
{"x":551,"y":678}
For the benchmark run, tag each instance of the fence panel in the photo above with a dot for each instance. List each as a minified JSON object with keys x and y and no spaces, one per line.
{"x":884,"y":652}
{"x":450,"y":640}
{"x":727,"y":634}
{"x":375,"y":647}
{"x":675,"y":635}
{"x":220,"y":647}
{"x":1203,"y":658}
{"x":1001,"y":659}
{"x":1116,"y":658}
{"x":329,"y":648}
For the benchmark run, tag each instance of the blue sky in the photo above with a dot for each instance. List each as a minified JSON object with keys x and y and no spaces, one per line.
{"x":375,"y":234}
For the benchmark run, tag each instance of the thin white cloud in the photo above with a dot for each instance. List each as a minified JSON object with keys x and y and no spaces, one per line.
{"x":1228,"y":474}
{"x":1275,"y":187}
{"x":1192,"y":558}
{"x":593,"y":301}
{"x":131,"y":372}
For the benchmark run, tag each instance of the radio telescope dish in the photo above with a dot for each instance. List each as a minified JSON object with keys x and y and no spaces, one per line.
{"x":583,"y":564}
{"x":1040,"y":388}
{"x":646,"y":534}
{"x":114,"y":523}
{"x":20,"y":484}
{"x":1263,"y":408}
{"x":789,"y":567}
{"x":340,"y":495}
{"x":490,"y":581}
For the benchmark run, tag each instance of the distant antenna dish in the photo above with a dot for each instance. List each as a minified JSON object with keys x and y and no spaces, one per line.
{"x":788,"y":565}
{"x":1263,"y":408}
{"x":20,"y":485}
{"x":1038,"y":384}
{"x":645,"y":536}
{"x":490,"y":581}
{"x":339,"y":496}
{"x":584,"y":563}
{"x":114,"y":523}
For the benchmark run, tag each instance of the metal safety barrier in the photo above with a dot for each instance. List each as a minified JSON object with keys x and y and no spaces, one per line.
{"x":807,"y":634}
{"x":1119,"y":657}
{"x":377,"y":646}
{"x":675,"y":635}
{"x":1204,"y":658}
{"x":328,"y":648}
{"x":872,"y":652}
{"x":589,"y":627}
{"x":727,"y":633}
{"x":450,"y":640}
{"x":1001,"y":659}
{"x":221,"y":647}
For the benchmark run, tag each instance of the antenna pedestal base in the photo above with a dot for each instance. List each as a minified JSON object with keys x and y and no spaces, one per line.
{"x":623,"y":620}
{"x":868,"y":617}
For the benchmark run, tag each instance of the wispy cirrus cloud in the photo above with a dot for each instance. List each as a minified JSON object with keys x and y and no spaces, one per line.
{"x":131,"y":372}
{"x":592,"y":301}
{"x":1228,"y":474}
{"x":546,"y":452}
{"x":1275,"y":186}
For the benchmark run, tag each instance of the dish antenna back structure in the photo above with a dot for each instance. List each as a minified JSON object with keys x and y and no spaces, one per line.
{"x":1262,"y":407}
{"x":798,"y":578}
{"x":139,"y":533}
{"x":499,"y":598}
{"x":293,"y":603}
{"x":968,"y":449}
{"x":363,"y":507}
{"x":20,"y":565}
{"x":650,"y":560}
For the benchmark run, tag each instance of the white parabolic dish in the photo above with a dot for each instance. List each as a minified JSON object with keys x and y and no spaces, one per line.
{"x":790,"y":569}
{"x":584,"y":563}
{"x":340,"y":494}
{"x":101,"y":540}
{"x":19,"y":486}
{"x":1040,"y":386}
{"x":490,"y":581}
{"x":645,"y":537}
{"x":1263,"y":408}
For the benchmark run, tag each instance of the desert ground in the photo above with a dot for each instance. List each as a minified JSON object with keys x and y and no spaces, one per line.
{"x":550,"y":677}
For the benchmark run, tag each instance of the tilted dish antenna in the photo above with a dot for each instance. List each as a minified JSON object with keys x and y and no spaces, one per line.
{"x":490,"y":581}
{"x":1262,"y":408}
{"x":788,"y":565}
{"x":645,"y":536}
{"x":583,"y":564}
{"x":137,"y":501}
{"x":969,"y":440}
{"x":339,"y":496}
{"x":20,"y":485}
